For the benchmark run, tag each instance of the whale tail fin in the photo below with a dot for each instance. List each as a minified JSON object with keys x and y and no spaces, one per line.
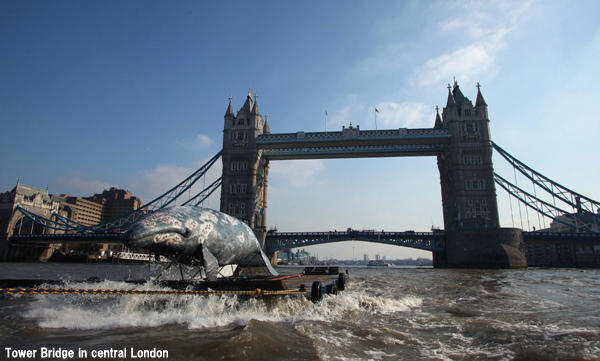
{"x":254,"y":265}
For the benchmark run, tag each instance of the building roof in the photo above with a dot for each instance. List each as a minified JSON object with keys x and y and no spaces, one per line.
{"x":480,"y":100}
{"x":247,"y":107}
{"x":30,"y":191}
{"x":229,"y":112}
{"x":450,"y":102}
{"x":255,"y":110}
{"x":438,"y":119}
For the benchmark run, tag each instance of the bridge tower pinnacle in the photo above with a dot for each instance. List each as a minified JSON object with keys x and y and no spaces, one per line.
{"x":245,"y":171}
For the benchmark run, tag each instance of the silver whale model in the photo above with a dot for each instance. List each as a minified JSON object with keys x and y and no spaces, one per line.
{"x":188,"y":233}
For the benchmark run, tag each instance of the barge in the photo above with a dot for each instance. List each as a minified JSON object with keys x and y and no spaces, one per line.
{"x":312,"y":283}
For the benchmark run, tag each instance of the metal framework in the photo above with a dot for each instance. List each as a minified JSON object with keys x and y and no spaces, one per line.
{"x":202,"y":196}
{"x":420,"y":240}
{"x":586,"y":209}
{"x":541,"y":206}
{"x":390,"y":134}
{"x":352,"y":142}
{"x":354,"y":150}
{"x":63,"y":224}
{"x":560,"y":237}
{"x":577,"y":201}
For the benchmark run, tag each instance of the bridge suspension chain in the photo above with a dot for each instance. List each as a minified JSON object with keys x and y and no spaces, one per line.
{"x":204,"y":194}
{"x":61,"y":223}
{"x":539,"y":205}
{"x":572,"y":198}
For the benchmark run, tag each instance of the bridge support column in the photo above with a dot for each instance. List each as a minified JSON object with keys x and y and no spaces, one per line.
{"x":482,"y":248}
{"x":273,"y":258}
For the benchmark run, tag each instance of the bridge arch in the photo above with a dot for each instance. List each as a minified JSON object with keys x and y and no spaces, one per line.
{"x":427,"y":241}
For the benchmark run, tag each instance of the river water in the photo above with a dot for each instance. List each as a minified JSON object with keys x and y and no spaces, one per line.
{"x":384,"y":314}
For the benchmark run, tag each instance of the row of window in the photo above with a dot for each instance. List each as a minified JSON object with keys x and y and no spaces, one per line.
{"x":237,"y":189}
{"x":240,"y":135}
{"x":475,"y":184}
{"x":237,"y":209}
{"x":469,"y":127}
{"x":474,"y":159}
{"x":241,"y":121}
{"x":239,"y":165}
{"x":477,"y":209}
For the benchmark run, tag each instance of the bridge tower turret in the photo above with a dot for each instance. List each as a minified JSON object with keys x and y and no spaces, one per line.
{"x":468,"y":190}
{"x":245,"y":171}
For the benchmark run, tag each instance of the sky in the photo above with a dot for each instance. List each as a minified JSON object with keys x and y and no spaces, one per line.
{"x":132,"y":94}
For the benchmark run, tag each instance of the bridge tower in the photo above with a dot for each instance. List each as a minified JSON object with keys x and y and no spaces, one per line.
{"x":471,"y":222}
{"x":245,"y":171}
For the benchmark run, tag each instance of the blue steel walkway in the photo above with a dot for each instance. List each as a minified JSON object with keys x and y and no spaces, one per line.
{"x":428,"y":241}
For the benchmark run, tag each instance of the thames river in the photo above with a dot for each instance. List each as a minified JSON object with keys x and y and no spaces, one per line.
{"x":384,"y":314}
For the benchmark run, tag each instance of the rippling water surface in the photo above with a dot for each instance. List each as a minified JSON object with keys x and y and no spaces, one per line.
{"x":384,"y":314}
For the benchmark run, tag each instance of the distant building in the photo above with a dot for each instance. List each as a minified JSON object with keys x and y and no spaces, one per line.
{"x":384,"y":258}
{"x":377,"y":258}
{"x":582,"y":221}
{"x":303,"y":257}
{"x":366,"y":257}
{"x":89,"y":211}
{"x":12,"y":222}
{"x":99,"y":208}
{"x":117,"y":202}
{"x":80,"y":210}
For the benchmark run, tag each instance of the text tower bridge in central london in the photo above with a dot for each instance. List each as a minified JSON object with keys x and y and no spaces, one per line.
{"x":460,"y":139}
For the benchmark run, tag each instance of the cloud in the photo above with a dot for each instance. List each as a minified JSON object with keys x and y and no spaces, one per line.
{"x":81,"y":187}
{"x":201,"y":141}
{"x":351,"y":111}
{"x":484,"y":28}
{"x":464,"y":63}
{"x":404,"y":115}
{"x":297,"y":173}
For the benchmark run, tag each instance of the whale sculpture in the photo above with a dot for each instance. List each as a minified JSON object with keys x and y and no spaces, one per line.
{"x":187,"y":234}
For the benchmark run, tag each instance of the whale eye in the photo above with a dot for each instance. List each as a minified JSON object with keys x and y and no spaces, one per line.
{"x":187,"y":232}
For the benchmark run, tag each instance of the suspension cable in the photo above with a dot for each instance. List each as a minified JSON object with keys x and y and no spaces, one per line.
{"x":519,"y":203}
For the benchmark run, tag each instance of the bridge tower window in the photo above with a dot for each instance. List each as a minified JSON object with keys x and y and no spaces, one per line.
{"x":475,"y":184}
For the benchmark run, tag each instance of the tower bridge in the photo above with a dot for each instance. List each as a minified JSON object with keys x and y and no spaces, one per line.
{"x":460,"y":140}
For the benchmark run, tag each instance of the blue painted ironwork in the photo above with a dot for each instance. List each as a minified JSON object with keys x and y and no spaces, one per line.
{"x":389,"y":134}
{"x":204,"y":194}
{"x":420,"y":240}
{"x":352,"y":142}
{"x":102,"y":237}
{"x":284,"y":240}
{"x":572,"y":198}
{"x":536,"y":237}
{"x":354,"y":150}
{"x":63,"y":224}
{"x":544,"y":208}
{"x":586,"y":209}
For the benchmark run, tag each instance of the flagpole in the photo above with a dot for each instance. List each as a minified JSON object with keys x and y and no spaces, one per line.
{"x":326,"y":121}
{"x":375,"y":112}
